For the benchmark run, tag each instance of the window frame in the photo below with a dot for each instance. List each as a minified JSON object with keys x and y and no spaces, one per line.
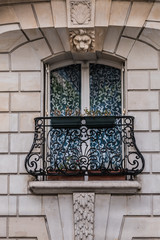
{"x":85,"y":88}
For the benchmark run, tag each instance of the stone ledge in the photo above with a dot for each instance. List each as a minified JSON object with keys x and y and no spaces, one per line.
{"x":112,"y":187}
{"x":19,"y":1}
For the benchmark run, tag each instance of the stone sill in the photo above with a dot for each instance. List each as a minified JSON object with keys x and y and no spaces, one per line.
{"x":112,"y":187}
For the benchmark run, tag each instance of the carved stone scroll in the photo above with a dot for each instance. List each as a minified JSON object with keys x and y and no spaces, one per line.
{"x":83,"y":206}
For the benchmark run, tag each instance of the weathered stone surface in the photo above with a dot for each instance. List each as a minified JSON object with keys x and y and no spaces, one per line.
{"x":138,"y":80}
{"x":155,"y":79}
{"x":140,"y":100}
{"x":111,"y":39}
{"x":139,"y":205}
{"x":8,"y":205}
{"x":27,"y":122}
{"x":25,"y":16}
{"x":8,"y":81}
{"x":28,"y":227}
{"x":21,"y":143}
{"x":41,"y":48}
{"x":10,"y":40}
{"x":4,"y":60}
{"x":139,"y":13}
{"x":141,"y":122}
{"x":151,"y":36}
{"x":63,"y":35}
{"x":148,"y":141}
{"x":33,"y":34}
{"x":102,"y":203}
{"x":9,"y":27}
{"x":53,"y":39}
{"x":153,"y":25}
{"x":59,"y":13}
{"x":155,"y":121}
{"x":3,"y":228}
{"x":155,"y":163}
{"x":8,"y":163}
{"x":148,"y":162}
{"x":51,"y":208}
{"x":154,"y":14}
{"x":102,"y":13}
{"x":66,"y":212}
{"x":156,"y":200}
{"x":131,"y":32}
{"x":7,"y":15}
{"x":124,"y":47}
{"x":116,"y":212}
{"x":44,"y":14}
{"x":140,"y":228}
{"x":3,"y":143}
{"x":3,"y":184}
{"x":33,"y":204}
{"x":30,"y":81}
{"x":31,"y":100}
{"x":118,"y":13}
{"x":4,"y":102}
{"x":149,"y":183}
{"x":25,"y":54}
{"x":9,"y":122}
{"x":142,"y":56}
{"x":22,"y":163}
{"x":19,"y":184}
{"x":100,"y":35}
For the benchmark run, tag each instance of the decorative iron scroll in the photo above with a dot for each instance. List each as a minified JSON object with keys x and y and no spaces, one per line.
{"x":102,"y":145}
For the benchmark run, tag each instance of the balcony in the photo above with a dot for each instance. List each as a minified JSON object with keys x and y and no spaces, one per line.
{"x":84,"y":148}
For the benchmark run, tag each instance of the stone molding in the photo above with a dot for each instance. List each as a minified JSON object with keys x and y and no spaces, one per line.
{"x":111,"y":187}
{"x":83,"y":207}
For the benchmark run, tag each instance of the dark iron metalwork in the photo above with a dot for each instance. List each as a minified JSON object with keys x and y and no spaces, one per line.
{"x":106,"y":146}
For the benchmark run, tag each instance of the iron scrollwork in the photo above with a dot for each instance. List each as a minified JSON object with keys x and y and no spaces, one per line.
{"x":107,"y":147}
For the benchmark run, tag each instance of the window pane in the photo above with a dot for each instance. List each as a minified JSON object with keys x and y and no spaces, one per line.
{"x":105,"y":95}
{"x":65,"y":89}
{"x":105,"y":89}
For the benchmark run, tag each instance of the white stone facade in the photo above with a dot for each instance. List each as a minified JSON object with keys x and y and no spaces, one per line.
{"x":36,"y":32}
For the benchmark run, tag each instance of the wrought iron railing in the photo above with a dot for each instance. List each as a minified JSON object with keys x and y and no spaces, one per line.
{"x":84,"y":146}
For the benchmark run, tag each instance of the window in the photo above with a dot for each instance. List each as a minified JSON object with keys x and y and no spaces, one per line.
{"x":95,"y":87}
{"x":84,"y":145}
{"x":73,"y":89}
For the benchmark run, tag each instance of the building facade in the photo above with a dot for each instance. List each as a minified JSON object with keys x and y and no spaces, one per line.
{"x":38,"y":37}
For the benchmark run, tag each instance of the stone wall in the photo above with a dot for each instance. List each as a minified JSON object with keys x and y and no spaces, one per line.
{"x":37,"y":33}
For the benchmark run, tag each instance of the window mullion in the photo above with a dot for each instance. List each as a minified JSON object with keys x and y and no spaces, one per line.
{"x":85,"y":87}
{"x":47,"y":90}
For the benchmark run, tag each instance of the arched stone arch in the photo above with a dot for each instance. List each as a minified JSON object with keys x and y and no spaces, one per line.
{"x":117,"y":25}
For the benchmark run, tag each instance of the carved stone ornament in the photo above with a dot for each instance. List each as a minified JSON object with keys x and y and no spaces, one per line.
{"x":82,"y":40}
{"x":83,"y":206}
{"x":80,"y":12}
